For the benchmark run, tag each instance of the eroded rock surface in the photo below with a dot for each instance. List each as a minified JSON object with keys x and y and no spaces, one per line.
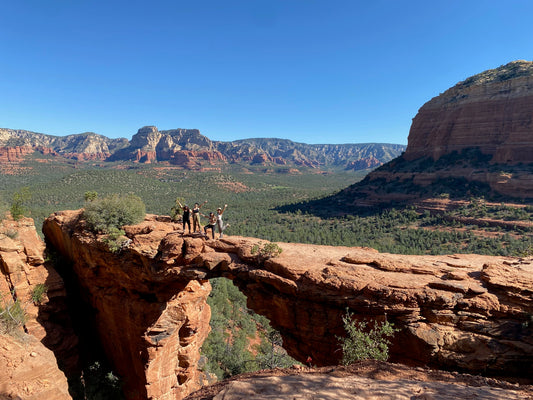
{"x":464,"y":312}
{"x":28,"y":369}
{"x":491,"y":111}
{"x":365,"y":380}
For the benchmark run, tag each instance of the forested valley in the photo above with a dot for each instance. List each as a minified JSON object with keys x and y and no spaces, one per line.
{"x":272,"y":205}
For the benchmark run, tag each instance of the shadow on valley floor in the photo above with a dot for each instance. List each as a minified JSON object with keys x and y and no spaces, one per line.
{"x":334,"y":206}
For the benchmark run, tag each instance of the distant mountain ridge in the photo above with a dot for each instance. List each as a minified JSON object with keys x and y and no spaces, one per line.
{"x":190,"y":149}
{"x":87,"y":142}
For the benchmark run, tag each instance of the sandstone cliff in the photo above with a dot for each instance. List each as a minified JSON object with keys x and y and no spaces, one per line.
{"x":491,"y":111}
{"x":466,"y":312}
{"x":475,"y":139}
{"x":28,"y":369}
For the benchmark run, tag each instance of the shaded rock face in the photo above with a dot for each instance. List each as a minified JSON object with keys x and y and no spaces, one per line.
{"x":365,"y":163}
{"x":464,"y":312}
{"x":492,"y":111}
{"x":26,"y":365}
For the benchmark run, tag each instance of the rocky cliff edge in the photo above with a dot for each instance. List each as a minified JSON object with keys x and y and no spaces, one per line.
{"x":463,"y":312}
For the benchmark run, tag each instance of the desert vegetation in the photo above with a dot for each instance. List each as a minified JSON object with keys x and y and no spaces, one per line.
{"x":365,"y":340}
{"x":272,"y":207}
{"x":240,"y":340}
{"x":12,"y":315}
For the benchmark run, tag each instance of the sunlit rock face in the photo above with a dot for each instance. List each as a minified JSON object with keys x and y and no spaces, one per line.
{"x":464,"y":312}
{"x":476,"y":137}
{"x":492,"y":111}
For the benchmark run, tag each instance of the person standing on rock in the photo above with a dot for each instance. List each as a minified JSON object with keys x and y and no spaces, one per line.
{"x":196,"y":217}
{"x":186,"y":215}
{"x":220,"y":223}
{"x":211,"y":224}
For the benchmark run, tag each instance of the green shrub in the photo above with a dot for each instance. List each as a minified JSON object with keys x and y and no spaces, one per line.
{"x":11,"y":233}
{"x":266,"y":251}
{"x":4,"y":208}
{"x":12,"y":315}
{"x":113,"y":212}
{"x":18,"y":205}
{"x":96,"y":382}
{"x":38,"y":292}
{"x":116,"y":240}
{"x":176,"y":210}
{"x":228,"y":350}
{"x":362,"y":343}
{"x":90,"y":195}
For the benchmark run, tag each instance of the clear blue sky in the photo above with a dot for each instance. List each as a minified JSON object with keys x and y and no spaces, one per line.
{"x":313,"y":71}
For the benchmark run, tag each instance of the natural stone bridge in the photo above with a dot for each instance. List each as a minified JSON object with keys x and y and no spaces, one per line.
{"x":466,"y":312}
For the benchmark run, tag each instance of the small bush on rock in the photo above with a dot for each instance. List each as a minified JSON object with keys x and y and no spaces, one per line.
{"x":363,"y":343}
{"x":266,"y":251}
{"x":38,"y":292}
{"x":18,"y":205}
{"x":116,"y":241}
{"x":102,"y":215}
{"x":12,"y":316}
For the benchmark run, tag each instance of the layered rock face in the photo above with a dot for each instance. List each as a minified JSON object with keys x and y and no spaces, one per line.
{"x":189,"y":149}
{"x":28,"y":369}
{"x":464,"y":312}
{"x":492,"y":111}
{"x":475,"y":139}
{"x":83,"y":146}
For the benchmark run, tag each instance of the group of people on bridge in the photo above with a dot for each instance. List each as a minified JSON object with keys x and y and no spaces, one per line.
{"x":213,"y":219}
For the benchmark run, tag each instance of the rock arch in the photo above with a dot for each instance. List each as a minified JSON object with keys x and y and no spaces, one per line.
{"x":463,"y":312}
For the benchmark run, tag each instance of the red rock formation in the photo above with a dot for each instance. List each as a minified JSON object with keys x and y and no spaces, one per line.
{"x":463,"y":312}
{"x":260,"y":158}
{"x":194,"y":159}
{"x":364,"y":380}
{"x":47,"y":151}
{"x":147,"y":157}
{"x":14,"y":154}
{"x":482,"y":125}
{"x":28,"y":370}
{"x":22,"y":268}
{"x":492,"y":111}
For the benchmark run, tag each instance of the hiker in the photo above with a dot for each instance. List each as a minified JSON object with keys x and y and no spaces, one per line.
{"x":220,"y":223}
{"x":210,"y":224}
{"x":196,"y":217}
{"x":186,"y":216}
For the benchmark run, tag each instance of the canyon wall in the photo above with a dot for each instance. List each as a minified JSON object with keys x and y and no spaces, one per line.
{"x":463,"y":312}
{"x":28,"y":367}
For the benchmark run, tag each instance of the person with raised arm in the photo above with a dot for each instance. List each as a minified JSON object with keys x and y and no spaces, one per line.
{"x":220,"y":223}
{"x":186,"y":216}
{"x":196,"y":217}
{"x":210,"y":224}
